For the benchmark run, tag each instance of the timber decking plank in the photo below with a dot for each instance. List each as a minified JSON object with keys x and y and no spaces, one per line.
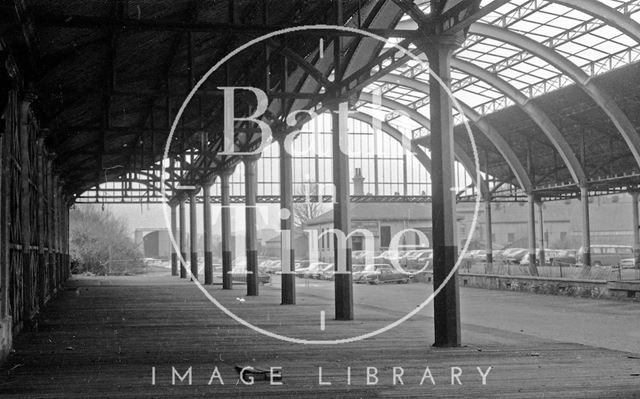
{"x":102,"y":339}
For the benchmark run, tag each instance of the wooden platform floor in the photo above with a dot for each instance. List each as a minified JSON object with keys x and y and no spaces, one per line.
{"x":102,"y":337}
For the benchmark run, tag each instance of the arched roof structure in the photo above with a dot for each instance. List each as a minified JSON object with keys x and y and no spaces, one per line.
{"x":552,"y":84}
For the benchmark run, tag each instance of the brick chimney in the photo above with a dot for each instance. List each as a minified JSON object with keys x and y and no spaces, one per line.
{"x":358,"y":183}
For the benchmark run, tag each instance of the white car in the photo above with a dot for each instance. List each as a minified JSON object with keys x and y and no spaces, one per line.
{"x":629,"y":263}
{"x":315,"y":270}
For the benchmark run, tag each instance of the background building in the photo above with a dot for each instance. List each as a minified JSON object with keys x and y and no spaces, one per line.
{"x":383,"y":220}
{"x":610,"y":223}
{"x":153,"y":242}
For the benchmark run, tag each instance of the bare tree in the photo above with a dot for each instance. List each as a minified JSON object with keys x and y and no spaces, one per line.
{"x":99,"y":243}
{"x":311,"y":208}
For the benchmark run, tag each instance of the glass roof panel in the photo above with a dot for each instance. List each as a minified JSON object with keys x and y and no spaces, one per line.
{"x":579,"y":37}
{"x":589,"y":42}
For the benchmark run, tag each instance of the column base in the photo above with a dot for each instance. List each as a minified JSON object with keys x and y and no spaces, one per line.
{"x":194,"y":265}
{"x":288,"y":289}
{"x":489,"y":268}
{"x":288,"y":282}
{"x":174,"y":264}
{"x":344,"y":293}
{"x":208,"y":268}
{"x":586,"y":265}
{"x":446,"y":305}
{"x":183,"y":270}
{"x":252,"y":273}
{"x":227,"y":281}
{"x":533,"y":261}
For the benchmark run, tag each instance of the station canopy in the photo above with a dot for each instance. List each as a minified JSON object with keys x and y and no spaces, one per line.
{"x":549,"y":88}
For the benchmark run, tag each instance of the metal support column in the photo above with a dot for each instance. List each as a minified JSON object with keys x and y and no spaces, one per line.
{"x":287,"y":254}
{"x":541,"y":256}
{"x":174,"y":232}
{"x":533,"y":270}
{"x":586,"y":232}
{"x":446,"y":304}
{"x":193,"y":233}
{"x":488,"y":232}
{"x":251,"y":229}
{"x":343,"y":280}
{"x":183,"y":239}
{"x":208,"y":255}
{"x":225,"y":221}
{"x":636,"y":225}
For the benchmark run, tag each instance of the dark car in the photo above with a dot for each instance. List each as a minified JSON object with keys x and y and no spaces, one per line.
{"x":381,"y":273}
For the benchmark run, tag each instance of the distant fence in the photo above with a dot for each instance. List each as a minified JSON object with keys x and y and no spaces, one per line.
{"x":566,"y":286}
{"x":560,"y":271}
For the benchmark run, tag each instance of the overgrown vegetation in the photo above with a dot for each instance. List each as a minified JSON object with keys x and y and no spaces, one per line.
{"x":100,"y":244}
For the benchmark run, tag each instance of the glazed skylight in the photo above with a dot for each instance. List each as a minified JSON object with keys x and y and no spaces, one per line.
{"x":588,"y":42}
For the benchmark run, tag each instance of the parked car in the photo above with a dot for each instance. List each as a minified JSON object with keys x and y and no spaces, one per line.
{"x":561,"y":257}
{"x":514,"y":255}
{"x":404,"y":261}
{"x":409,"y":256}
{"x":525,"y":260}
{"x":314,"y":270}
{"x":328,"y":272}
{"x":382,"y":273}
{"x":629,"y":263}
{"x":479,"y":255}
{"x":262,"y":264}
{"x":360,"y":256}
{"x":239,"y":273}
{"x":302,"y":264}
{"x":388,"y":257}
{"x":498,"y":255}
{"x":423,"y":259}
{"x":356,"y":271}
{"x":606,"y":255}
{"x":300,"y":270}
{"x":272,"y":266}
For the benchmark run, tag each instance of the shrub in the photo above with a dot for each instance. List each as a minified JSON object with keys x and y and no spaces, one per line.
{"x":99,"y":243}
